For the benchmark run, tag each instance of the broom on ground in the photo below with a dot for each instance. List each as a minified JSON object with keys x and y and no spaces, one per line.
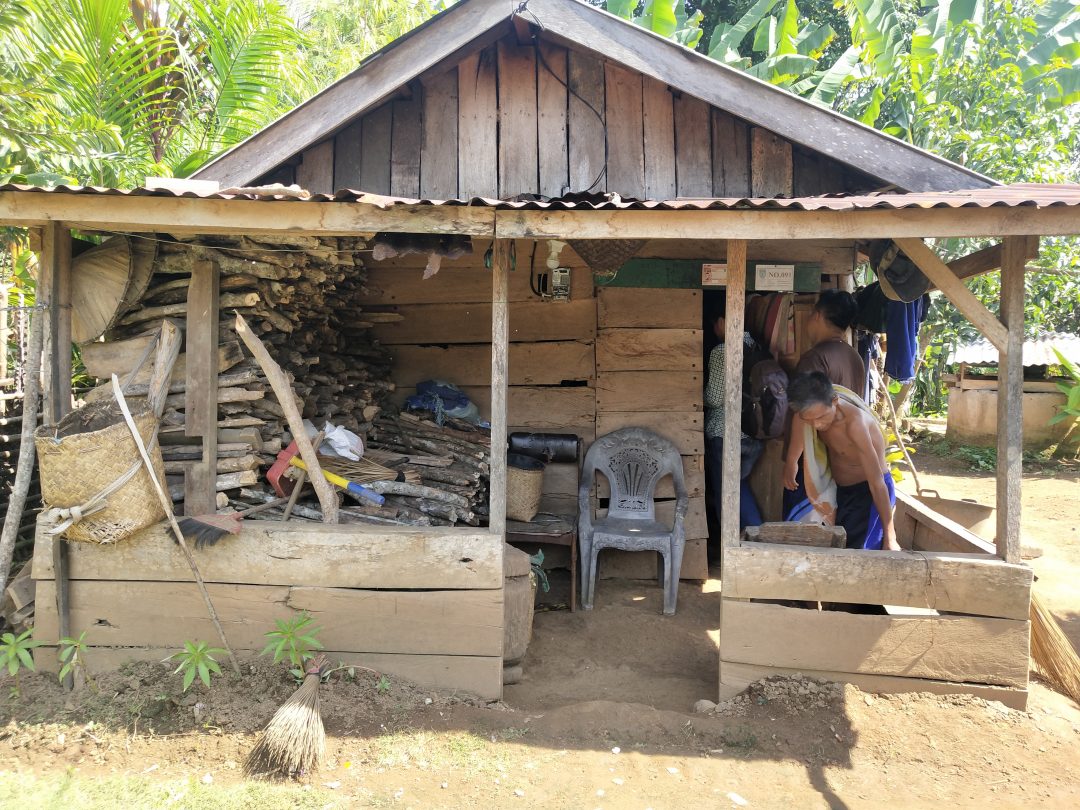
{"x":292,"y":742}
{"x":1053,"y":653}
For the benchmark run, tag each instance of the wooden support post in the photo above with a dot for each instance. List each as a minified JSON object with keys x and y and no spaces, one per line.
{"x":54,"y":293}
{"x":200,"y":398}
{"x":733,"y":370}
{"x":1010,"y":398}
{"x":500,"y":337}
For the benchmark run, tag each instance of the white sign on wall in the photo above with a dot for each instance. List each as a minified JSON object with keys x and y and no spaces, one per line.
{"x":780,"y":277}
{"x":714,"y":275}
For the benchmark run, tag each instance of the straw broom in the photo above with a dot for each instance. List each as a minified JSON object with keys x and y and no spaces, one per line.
{"x":1053,"y":653}
{"x":293,"y":741}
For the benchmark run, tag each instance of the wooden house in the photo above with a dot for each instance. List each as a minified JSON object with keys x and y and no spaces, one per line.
{"x":464,"y":127}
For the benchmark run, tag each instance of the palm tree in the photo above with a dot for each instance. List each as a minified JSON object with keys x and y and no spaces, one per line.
{"x":110,"y":91}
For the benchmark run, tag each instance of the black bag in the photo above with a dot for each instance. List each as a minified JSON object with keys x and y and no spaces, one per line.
{"x":765,"y":399}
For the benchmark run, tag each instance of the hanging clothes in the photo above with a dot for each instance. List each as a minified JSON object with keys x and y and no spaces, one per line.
{"x":902,"y":334}
{"x":868,"y":348}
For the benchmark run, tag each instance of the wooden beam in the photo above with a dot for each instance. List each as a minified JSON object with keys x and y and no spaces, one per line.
{"x":980,"y":262}
{"x":200,"y":387}
{"x":975,"y":264}
{"x":473,"y":674}
{"x":208,"y":216}
{"x":500,"y":339}
{"x":957,"y":583}
{"x":946,"y":648}
{"x":734,"y":678}
{"x":787,"y":224}
{"x":54,"y":292}
{"x":964,"y":299}
{"x":733,"y":368}
{"x":205,"y":216}
{"x":933,"y":531}
{"x":272,"y":553}
{"x":435,"y":622}
{"x":1010,"y":399}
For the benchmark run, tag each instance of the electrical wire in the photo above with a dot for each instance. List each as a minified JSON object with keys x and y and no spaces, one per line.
{"x":523,"y":9}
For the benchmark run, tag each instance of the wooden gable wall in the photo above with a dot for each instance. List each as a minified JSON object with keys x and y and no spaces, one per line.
{"x":542,"y":119}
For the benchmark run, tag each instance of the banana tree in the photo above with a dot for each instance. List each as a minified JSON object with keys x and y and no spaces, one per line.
{"x":668,"y":18}
{"x":790,"y":51}
{"x":957,"y":53}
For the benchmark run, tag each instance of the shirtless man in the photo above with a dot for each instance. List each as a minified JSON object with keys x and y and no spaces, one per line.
{"x":856,"y":448}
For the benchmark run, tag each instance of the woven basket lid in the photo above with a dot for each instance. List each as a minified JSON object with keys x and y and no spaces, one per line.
{"x":106,"y":281}
{"x":605,"y":256}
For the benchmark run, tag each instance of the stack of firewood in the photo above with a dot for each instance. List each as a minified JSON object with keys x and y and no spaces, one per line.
{"x":441,"y":478}
{"x":302,"y":296}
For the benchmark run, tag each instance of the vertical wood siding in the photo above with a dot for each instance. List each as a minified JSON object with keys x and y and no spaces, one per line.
{"x":520,"y":119}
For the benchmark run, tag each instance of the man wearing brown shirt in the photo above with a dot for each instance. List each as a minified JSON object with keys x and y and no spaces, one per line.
{"x":834,"y":313}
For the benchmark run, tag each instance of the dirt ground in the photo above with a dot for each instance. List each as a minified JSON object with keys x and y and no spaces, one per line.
{"x":602,"y":719}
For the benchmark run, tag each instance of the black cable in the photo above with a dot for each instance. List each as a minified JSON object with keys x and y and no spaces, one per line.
{"x":599,"y":116}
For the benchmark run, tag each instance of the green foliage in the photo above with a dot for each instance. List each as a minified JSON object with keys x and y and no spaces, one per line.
{"x":73,"y":657}
{"x":197,"y":658}
{"x":668,"y":18}
{"x":111,"y":91}
{"x":894,"y":457}
{"x":536,"y":567}
{"x":15,"y":652}
{"x":1071,"y":390}
{"x":295,"y":641}
{"x":341,"y":33}
{"x":382,"y":686}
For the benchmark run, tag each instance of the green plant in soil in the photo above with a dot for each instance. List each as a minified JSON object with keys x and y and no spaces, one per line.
{"x":295,"y":641}
{"x":197,"y":658}
{"x":1071,"y":390}
{"x":73,"y":658}
{"x":15,"y":654}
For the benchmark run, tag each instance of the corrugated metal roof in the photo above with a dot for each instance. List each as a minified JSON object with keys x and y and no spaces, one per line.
{"x":1039,"y":195}
{"x":1038,"y":351}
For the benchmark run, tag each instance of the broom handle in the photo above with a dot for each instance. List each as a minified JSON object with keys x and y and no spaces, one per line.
{"x":166,"y":504}
{"x":899,"y":438}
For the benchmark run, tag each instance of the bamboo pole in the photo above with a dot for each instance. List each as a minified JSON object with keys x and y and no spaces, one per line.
{"x":25,"y":469}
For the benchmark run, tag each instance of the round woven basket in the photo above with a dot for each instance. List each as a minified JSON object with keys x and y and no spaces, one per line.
{"x":75,"y":468}
{"x":524,"y":486}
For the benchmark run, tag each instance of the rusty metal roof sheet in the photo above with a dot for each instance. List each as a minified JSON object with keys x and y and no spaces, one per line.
{"x":1038,"y":351}
{"x":1039,"y":195}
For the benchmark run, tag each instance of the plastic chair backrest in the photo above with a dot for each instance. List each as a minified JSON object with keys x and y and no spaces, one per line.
{"x":633,"y":460}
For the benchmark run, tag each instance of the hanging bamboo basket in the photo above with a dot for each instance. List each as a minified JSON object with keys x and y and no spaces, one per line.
{"x":83,"y":457}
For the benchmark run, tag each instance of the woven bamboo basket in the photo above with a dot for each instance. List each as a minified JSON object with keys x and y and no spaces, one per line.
{"x":76,"y":466}
{"x":524,"y":487}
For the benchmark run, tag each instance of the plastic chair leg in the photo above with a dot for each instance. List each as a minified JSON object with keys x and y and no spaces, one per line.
{"x":594,"y":553}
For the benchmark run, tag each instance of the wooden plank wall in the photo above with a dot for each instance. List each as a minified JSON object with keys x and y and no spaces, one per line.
{"x":503,"y":122}
{"x":423,"y":605}
{"x":642,"y":367}
{"x":649,"y":374}
{"x":956,"y":620}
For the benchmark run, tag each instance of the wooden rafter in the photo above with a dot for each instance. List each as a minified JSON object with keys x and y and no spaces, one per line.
{"x":964,"y":299}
